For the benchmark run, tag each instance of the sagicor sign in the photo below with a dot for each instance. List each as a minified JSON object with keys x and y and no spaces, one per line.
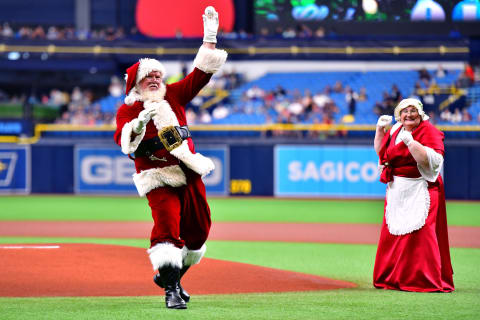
{"x":337,"y":171}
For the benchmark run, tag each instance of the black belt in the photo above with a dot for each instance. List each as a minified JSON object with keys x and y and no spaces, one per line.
{"x":168,"y":138}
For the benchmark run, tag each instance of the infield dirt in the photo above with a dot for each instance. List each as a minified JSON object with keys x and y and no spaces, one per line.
{"x":105,"y":270}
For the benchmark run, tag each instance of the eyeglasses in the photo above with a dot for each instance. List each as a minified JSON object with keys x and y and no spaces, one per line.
{"x":411,"y":110}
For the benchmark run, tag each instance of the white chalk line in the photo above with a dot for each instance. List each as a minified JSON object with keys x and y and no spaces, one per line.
{"x":29,"y":247}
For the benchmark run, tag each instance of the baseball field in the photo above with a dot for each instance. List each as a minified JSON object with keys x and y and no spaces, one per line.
{"x":78,"y":257}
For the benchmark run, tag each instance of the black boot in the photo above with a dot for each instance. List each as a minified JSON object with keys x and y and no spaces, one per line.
{"x":169,"y":277}
{"x":183,"y":293}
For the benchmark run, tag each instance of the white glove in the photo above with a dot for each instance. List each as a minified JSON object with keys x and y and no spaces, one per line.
{"x":406,"y":137}
{"x":384,"y":121}
{"x":210,"y":25}
{"x":143,"y":117}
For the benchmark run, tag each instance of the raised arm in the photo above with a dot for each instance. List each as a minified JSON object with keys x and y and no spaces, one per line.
{"x":208,"y":59}
{"x":382,"y":122}
{"x":210,"y":27}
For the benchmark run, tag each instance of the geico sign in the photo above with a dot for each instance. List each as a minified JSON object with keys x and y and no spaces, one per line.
{"x":332,"y":171}
{"x":216,"y":176}
{"x":106,"y":170}
{"x":119,"y":170}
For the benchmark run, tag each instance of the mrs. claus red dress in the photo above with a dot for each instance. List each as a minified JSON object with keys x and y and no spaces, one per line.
{"x":418,"y":259}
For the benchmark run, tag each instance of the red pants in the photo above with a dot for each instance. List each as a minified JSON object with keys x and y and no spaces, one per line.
{"x":181,"y":215}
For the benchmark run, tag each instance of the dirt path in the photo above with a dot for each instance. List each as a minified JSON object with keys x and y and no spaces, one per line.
{"x":468,"y":237}
{"x":105,"y":270}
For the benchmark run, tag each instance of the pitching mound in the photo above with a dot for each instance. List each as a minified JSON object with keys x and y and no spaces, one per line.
{"x":106,"y":270}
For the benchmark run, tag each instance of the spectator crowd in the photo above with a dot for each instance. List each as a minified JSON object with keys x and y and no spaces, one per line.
{"x":81,"y":106}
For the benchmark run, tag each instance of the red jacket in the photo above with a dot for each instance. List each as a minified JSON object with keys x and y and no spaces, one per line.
{"x":177,"y":95}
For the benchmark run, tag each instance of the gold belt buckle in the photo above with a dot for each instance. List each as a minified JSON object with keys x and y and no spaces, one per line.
{"x":170,"y":138}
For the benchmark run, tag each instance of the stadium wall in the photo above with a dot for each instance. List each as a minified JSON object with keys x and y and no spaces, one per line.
{"x":242,"y":169}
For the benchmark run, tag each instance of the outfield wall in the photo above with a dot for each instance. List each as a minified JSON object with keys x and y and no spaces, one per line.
{"x":282,"y":170}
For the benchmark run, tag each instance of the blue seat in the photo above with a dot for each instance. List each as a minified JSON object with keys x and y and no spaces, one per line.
{"x":375,"y":82}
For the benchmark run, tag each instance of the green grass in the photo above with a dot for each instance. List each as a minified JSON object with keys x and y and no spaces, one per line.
{"x":341,"y":304}
{"x":339,"y":261}
{"x":348,"y":262}
{"x":81,"y":208}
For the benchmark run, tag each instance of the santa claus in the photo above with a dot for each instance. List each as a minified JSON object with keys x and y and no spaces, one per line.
{"x":152,"y":129}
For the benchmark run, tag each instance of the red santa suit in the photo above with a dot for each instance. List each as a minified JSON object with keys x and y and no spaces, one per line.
{"x":171,"y":181}
{"x":413,"y":251}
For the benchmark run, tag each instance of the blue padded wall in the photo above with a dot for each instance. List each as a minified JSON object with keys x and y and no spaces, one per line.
{"x":52,"y":169}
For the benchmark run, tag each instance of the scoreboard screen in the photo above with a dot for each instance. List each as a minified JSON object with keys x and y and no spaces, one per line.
{"x":275,"y":14}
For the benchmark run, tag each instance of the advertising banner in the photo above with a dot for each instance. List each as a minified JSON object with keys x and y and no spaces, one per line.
{"x":216,"y":183}
{"x":11,"y":127}
{"x":108,"y":170}
{"x":15,"y":170}
{"x":251,"y":170}
{"x":327,"y":171}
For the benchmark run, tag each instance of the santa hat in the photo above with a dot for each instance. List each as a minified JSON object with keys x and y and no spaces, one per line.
{"x":136,"y":73}
{"x":407,"y":103}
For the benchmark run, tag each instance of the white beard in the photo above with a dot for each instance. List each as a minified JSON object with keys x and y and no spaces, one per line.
{"x":154,"y":96}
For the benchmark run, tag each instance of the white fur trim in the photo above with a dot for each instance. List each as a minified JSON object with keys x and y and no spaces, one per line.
{"x":148,"y":65}
{"x":395,"y":128}
{"x":147,"y":180}
{"x":164,"y":116}
{"x":132,"y":96}
{"x":191,"y":257}
{"x":210,"y":60}
{"x":195,"y":161}
{"x":165,"y":254}
{"x":129,"y":146}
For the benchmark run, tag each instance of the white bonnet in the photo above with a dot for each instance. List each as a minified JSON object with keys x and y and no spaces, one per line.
{"x":407,"y":103}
